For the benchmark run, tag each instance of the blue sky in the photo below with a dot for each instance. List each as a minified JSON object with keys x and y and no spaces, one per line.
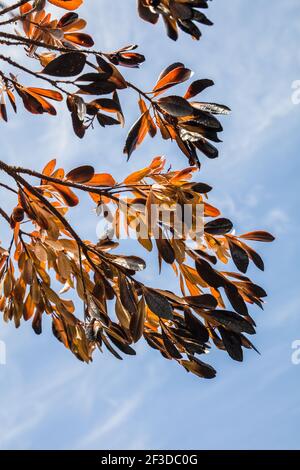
{"x":48,"y":400}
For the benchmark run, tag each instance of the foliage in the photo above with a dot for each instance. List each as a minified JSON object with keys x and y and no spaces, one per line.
{"x":118,"y":309}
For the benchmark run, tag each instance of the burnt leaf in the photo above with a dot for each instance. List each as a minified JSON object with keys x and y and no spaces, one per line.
{"x":218,"y":226}
{"x":175,"y":106}
{"x":209,"y":274}
{"x":197,"y":87}
{"x":66,"y":65}
{"x":231,"y":321}
{"x":199,"y":368}
{"x":259,"y":236}
{"x":158,"y":303}
{"x":196,"y":327}
{"x":202,"y":301}
{"x":166,"y":250}
{"x":239,"y":255}
{"x":126,"y":294}
{"x":232,"y":343}
{"x":137,"y":321}
{"x":170,"y":347}
{"x":134,"y":135}
{"x":236,"y":299}
{"x":82,"y":174}
{"x":124,"y":347}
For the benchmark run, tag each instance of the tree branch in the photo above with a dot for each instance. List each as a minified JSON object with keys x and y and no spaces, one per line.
{"x":12,"y":7}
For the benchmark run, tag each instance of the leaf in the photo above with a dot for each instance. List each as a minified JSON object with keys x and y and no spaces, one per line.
{"x":152,"y":129}
{"x":66,"y":65}
{"x":200,"y":188}
{"x":102,"y":179}
{"x":49,"y":169}
{"x":171,"y":27}
{"x":125,"y":348}
{"x":98,"y":88}
{"x":127,"y":294}
{"x":212,"y":108}
{"x":68,"y":196}
{"x":254,"y":289}
{"x":173,"y":77}
{"x":12,"y":99}
{"x":59,"y":331}
{"x":158,"y":303}
{"x":106,"y":120}
{"x":170,"y":347}
{"x":196,"y":327}
{"x":236,"y":299}
{"x":169,"y":69}
{"x":255,"y":257}
{"x":106,"y":104}
{"x":77,"y":107}
{"x":81,"y":174}
{"x":46,"y":107}
{"x":67,"y":4}
{"x":136,"y":134}
{"x":239,"y":255}
{"x":232,"y":343}
{"x":209,"y":150}
{"x":259,"y":236}
{"x":146,"y":14}
{"x":208,"y":274}
{"x":197,"y":87}
{"x":3,"y":112}
{"x":175,"y":106}
{"x":53,"y":95}
{"x":31,"y":102}
{"x":199,"y":368}
{"x":166,"y":250}
{"x":82,"y":39}
{"x":137,"y":321}
{"x":203,"y":301}
{"x":218,"y":227}
{"x":134,"y":263}
{"x":110,"y":348}
{"x":37,"y":322}
{"x":232,"y":321}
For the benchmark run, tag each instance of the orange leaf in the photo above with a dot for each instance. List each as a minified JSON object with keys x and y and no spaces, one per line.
{"x":210,"y":211}
{"x":53,"y":95}
{"x":49,"y":168}
{"x":67,"y":4}
{"x":80,"y":38}
{"x":102,"y":179}
{"x":178,"y":75}
{"x":68,"y":196}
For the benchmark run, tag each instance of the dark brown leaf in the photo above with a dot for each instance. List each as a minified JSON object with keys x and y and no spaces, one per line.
{"x":199,"y":368}
{"x":218,"y":226}
{"x":239,"y":255}
{"x":259,"y":236}
{"x":197,"y":87}
{"x":66,"y":65}
{"x":158,"y":303}
{"x":175,"y":106}
{"x":82,"y":174}
{"x":232,"y":343}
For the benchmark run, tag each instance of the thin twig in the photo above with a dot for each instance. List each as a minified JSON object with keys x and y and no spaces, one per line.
{"x":12,"y":7}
